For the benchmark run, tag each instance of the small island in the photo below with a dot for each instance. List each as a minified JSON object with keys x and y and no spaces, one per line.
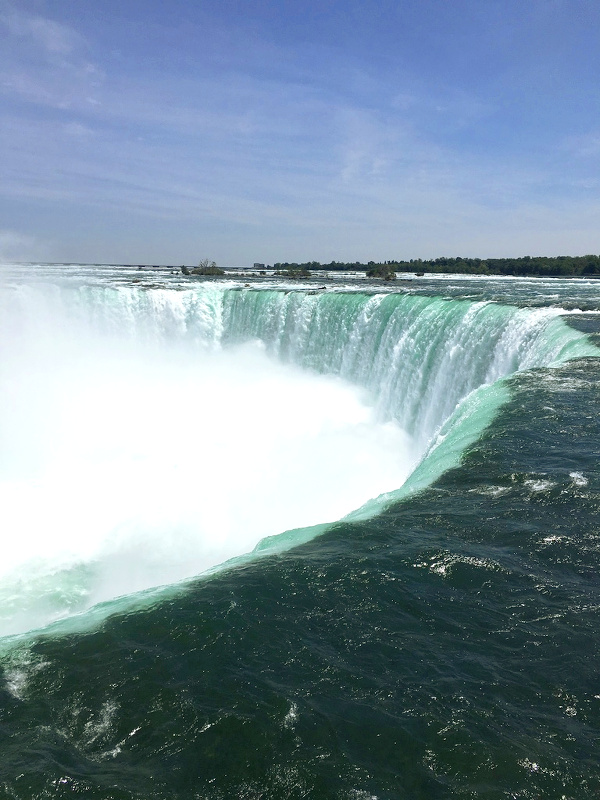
{"x":205,"y":267}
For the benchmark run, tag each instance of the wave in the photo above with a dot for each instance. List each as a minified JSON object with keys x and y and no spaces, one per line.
{"x":149,"y":435}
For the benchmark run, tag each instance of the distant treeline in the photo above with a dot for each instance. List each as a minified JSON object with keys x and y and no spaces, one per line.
{"x":565,"y":266}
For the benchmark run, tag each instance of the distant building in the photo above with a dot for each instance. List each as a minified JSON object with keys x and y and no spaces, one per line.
{"x":258,"y":266}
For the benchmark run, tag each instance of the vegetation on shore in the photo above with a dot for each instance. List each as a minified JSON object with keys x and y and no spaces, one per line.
{"x":548,"y":266}
{"x":542,"y":266}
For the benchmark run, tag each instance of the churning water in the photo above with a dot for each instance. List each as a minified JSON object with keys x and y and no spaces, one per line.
{"x":154,"y":430}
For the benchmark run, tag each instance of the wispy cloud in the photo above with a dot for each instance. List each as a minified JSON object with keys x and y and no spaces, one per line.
{"x":53,"y":37}
{"x":45,"y":62}
{"x":15,"y":246}
{"x":584,"y":146}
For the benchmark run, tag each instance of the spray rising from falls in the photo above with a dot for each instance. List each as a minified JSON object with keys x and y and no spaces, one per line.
{"x":149,"y":435}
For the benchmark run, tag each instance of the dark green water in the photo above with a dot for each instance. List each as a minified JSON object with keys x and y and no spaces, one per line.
{"x":445,"y":648}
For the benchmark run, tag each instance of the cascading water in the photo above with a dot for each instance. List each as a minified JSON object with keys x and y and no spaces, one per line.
{"x":417,"y":356}
{"x":148,"y":435}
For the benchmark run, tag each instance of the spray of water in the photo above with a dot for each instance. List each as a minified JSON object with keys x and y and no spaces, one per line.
{"x":123,"y":469}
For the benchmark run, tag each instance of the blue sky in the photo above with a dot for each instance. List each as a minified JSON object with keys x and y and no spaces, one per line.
{"x":155,"y":132}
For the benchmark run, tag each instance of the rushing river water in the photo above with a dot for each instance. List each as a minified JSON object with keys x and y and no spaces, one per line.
{"x":279,"y":540}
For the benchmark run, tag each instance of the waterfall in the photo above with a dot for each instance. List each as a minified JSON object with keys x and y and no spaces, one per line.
{"x":150,"y":434}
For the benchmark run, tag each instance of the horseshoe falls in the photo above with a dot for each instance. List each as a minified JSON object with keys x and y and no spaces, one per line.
{"x":281,"y":540}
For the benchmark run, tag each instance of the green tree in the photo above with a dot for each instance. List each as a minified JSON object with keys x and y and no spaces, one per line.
{"x":207,"y":267}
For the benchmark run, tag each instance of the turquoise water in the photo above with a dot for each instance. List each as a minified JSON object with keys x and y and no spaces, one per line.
{"x":402,"y":485}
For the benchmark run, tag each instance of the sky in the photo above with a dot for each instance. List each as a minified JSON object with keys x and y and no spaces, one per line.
{"x":162,"y":132}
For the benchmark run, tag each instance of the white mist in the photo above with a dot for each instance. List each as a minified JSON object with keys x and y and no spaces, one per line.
{"x":124,"y":468}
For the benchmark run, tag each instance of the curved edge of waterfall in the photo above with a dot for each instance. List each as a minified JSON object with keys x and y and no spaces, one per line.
{"x":439,"y":367}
